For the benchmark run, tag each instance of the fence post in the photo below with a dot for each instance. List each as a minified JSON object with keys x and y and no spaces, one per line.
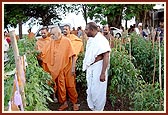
{"x":19,"y":66}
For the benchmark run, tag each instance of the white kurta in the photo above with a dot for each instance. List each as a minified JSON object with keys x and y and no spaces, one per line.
{"x":96,"y":90}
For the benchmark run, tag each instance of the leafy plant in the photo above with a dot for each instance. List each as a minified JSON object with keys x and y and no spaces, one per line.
{"x":144,"y":53}
{"x":148,"y":98}
{"x":37,"y":90}
{"x":122,"y":77}
{"x":81,"y":75}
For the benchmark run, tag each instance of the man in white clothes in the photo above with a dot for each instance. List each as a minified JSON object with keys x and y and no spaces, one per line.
{"x":6,"y":48}
{"x":96,"y":64}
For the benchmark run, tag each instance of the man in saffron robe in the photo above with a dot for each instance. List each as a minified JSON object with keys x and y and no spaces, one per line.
{"x":75,"y":32}
{"x":60,"y":59}
{"x":76,"y":42}
{"x":96,"y":64}
{"x":30,"y":34}
{"x":40,"y":45}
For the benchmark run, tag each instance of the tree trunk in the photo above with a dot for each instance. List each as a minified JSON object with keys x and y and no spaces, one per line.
{"x":84,"y":7}
{"x":125,"y":24}
{"x":114,"y":22}
{"x":20,"y":29}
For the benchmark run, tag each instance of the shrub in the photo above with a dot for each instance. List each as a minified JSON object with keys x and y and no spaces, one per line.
{"x":37,"y":90}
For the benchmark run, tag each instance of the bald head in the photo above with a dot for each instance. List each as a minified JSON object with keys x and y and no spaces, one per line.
{"x":91,"y":29}
{"x":92,"y":25}
{"x":55,"y":33}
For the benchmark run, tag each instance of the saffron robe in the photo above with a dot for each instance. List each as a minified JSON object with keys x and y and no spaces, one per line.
{"x":40,"y":45}
{"x":58,"y":56}
{"x":77,"y":43}
{"x":30,"y":35}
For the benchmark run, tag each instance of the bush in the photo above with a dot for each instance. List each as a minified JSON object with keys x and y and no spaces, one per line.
{"x":37,"y":90}
{"x":81,"y":75}
{"x":122,"y":77}
{"x":144,"y":54}
{"x":148,"y":98}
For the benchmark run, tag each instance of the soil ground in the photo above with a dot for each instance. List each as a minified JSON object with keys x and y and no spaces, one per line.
{"x":82,"y":101}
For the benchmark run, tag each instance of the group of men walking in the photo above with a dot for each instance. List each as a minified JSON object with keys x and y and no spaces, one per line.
{"x":58,"y":55}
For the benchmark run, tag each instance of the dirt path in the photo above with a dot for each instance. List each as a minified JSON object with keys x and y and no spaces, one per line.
{"x":82,"y":101}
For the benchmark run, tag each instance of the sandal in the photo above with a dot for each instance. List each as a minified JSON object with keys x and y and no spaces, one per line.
{"x":63,"y":107}
{"x":76,"y":107}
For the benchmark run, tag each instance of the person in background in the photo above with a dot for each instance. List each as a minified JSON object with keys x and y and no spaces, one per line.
{"x":79,"y":32}
{"x":76,"y":42}
{"x":109,"y":37}
{"x":30,"y":34}
{"x":75,"y":32}
{"x":40,"y":45}
{"x":96,"y":64}
{"x":140,"y":31}
{"x":7,"y":37}
{"x":6,"y":48}
{"x":147,"y":31}
{"x":160,"y":31}
{"x":99,"y":29}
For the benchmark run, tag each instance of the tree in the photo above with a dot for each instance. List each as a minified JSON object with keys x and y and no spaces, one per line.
{"x":13,"y":15}
{"x":112,"y":14}
{"x":20,"y":13}
{"x":83,"y":8}
{"x":140,"y":11}
{"x":49,"y":13}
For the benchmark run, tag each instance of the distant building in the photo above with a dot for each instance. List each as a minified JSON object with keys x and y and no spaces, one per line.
{"x":157,"y":16}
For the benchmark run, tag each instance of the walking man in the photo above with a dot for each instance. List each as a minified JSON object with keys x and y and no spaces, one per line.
{"x":60,"y":59}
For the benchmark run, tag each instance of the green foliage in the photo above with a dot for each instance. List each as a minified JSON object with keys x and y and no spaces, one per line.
{"x":37,"y":90}
{"x":100,"y":11}
{"x":49,"y":13}
{"x":81,"y":75}
{"x":13,"y":13}
{"x":135,"y":9}
{"x":8,"y":86}
{"x":111,"y":11}
{"x":129,"y":88}
{"x":148,"y":98}
{"x":144,"y":54}
{"x":122,"y":77}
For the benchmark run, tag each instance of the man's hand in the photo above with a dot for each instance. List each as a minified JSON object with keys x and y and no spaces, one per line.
{"x":102,"y":77}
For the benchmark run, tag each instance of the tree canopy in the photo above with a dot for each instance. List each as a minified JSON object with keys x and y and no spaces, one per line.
{"x":114,"y":13}
{"x":110,"y":14}
{"x":48,"y":13}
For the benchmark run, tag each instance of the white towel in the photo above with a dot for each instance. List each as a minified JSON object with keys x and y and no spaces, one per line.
{"x":94,"y":47}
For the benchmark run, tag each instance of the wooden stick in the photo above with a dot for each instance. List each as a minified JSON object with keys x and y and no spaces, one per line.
{"x":160,"y":77}
{"x":18,"y":66}
{"x":153,"y":44}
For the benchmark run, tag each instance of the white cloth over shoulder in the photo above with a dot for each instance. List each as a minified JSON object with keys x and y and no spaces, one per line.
{"x":94,"y":47}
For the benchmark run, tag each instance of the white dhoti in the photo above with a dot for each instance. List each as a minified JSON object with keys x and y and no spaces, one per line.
{"x":96,"y":90}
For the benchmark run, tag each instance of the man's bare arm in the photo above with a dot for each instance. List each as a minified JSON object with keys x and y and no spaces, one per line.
{"x":104,"y":67}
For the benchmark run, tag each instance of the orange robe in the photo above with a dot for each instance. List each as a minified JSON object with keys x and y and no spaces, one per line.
{"x":30,"y":35}
{"x":77,"y":43}
{"x":58,"y":56}
{"x":40,"y":44}
{"x":75,"y":32}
